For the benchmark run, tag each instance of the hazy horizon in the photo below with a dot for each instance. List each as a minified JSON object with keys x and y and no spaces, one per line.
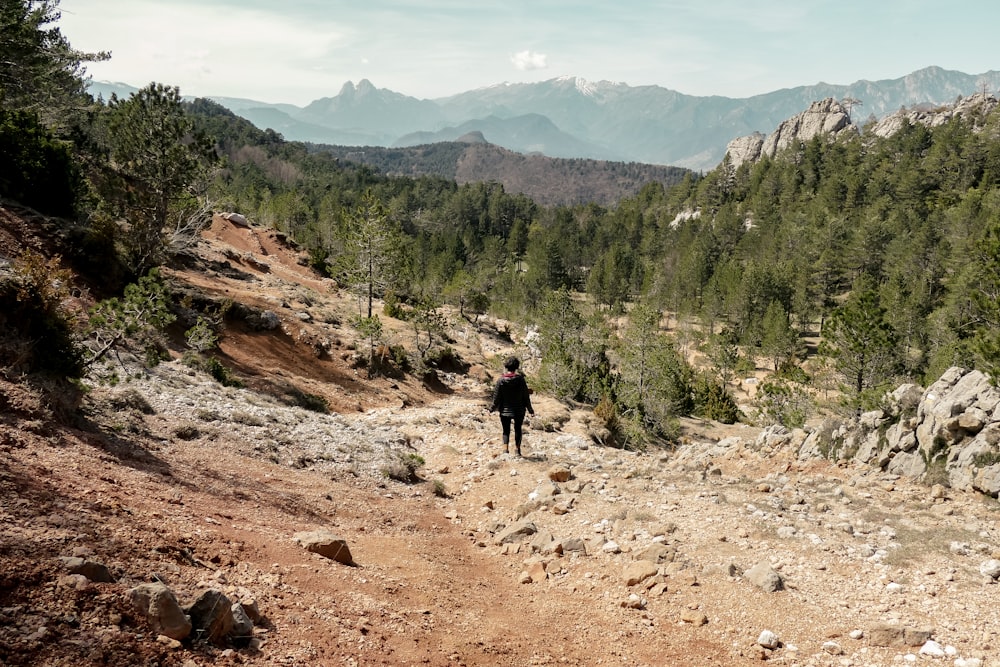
{"x":302,"y":50}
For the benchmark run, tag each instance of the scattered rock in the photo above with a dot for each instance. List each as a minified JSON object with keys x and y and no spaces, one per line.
{"x":694,"y":617}
{"x":326,"y":544}
{"x":93,"y":571}
{"x":768,"y":640}
{"x":763,"y":576}
{"x":634,"y":601}
{"x":933,"y":649}
{"x":535,"y":572}
{"x":158,"y":605}
{"x":638,"y":571}
{"x":559,"y":473}
{"x":574,"y":545}
{"x":990,"y":568}
{"x":833,"y":648}
{"x":898,"y":635}
{"x":517,"y":532}
{"x":242,"y":631}
{"x":656,"y":553}
{"x":212,"y":616}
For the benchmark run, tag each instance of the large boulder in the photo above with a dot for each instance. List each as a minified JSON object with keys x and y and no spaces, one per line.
{"x":158,"y":605}
{"x":212,"y":616}
{"x":939,"y":415}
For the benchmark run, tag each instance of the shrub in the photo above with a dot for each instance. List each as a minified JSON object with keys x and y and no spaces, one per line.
{"x":712,"y":401}
{"x":213,"y":367}
{"x":137,"y":317}
{"x":403,"y":466}
{"x":311,"y":402}
{"x":202,"y":337}
{"x":37,"y":170}
{"x":42,"y":330}
{"x":782,"y":403}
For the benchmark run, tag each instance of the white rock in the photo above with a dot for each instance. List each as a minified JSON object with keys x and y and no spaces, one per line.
{"x":856,"y":634}
{"x":933,"y":649}
{"x":990,"y":568}
{"x":968,"y":662}
{"x":893,"y":587}
{"x":959,"y":548}
{"x":768,"y":640}
{"x":611,"y":547}
{"x":833,"y":648}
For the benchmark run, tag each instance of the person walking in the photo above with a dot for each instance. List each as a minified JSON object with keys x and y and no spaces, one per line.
{"x":512,"y":398}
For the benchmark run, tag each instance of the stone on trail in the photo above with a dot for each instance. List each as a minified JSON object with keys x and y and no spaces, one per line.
{"x":157,"y":603}
{"x":95,"y":572}
{"x":212,"y":616}
{"x":326,"y":544}
{"x":517,"y":532}
{"x":769,"y":640}
{"x":638,"y":571}
{"x":694,"y":617}
{"x":763,"y":576}
{"x":559,"y":473}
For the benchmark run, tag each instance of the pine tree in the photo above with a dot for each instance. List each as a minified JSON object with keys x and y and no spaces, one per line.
{"x":860,"y":340}
{"x":157,"y":174}
{"x":369,"y":254}
{"x":39,"y":71}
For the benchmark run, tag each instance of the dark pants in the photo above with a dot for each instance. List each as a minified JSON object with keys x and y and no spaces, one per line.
{"x":505,"y":422}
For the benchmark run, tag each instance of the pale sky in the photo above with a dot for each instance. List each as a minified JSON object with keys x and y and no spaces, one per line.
{"x":296,"y":51}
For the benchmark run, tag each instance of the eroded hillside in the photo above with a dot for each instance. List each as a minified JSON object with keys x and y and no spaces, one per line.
{"x":578,"y":554}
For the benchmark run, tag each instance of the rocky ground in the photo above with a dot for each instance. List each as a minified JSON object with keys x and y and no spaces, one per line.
{"x":728,"y":551}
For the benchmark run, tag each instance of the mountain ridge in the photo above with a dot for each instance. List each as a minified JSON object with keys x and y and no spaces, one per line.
{"x":608,"y":120}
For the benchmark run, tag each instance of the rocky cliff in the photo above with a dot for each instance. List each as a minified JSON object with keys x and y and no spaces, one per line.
{"x":975,"y":107}
{"x":947,"y":434}
{"x":826,"y":117}
{"x":829,"y":117}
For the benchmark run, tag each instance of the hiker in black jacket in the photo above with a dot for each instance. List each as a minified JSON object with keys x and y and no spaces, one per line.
{"x":512,"y":398}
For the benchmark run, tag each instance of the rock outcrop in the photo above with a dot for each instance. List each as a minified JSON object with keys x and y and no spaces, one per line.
{"x":948,"y":433}
{"x":826,"y":117}
{"x":975,"y":107}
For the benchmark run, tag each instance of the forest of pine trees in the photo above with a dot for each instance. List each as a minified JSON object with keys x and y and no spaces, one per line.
{"x":846,"y":264}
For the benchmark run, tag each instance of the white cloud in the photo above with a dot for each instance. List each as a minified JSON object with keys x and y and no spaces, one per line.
{"x":529,"y":60}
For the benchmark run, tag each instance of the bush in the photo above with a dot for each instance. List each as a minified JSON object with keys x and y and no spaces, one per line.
{"x":37,"y":170}
{"x":42,"y":330}
{"x":311,"y":402}
{"x":403,"y":466}
{"x":782,"y":403}
{"x":712,"y":401}
{"x":213,"y":367}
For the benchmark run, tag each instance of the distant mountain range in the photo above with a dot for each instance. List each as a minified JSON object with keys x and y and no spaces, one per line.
{"x":569,"y":117}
